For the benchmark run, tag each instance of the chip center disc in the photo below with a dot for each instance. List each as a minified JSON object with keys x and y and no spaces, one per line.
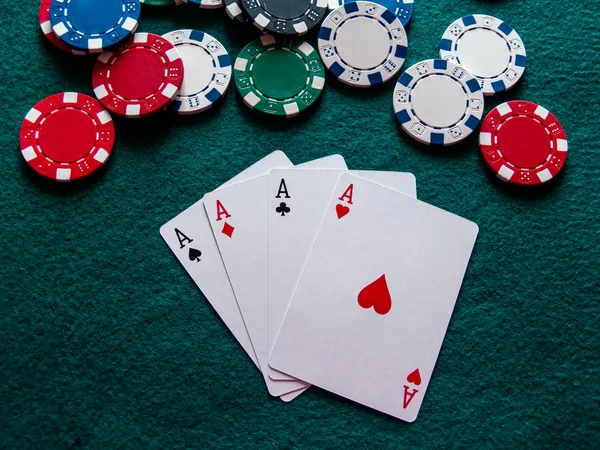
{"x":438,"y":101}
{"x":524,"y":142}
{"x":362,"y":43}
{"x":137,"y":73}
{"x":482,"y":52}
{"x":279,"y":74}
{"x":286,"y":9}
{"x":83,"y":16}
{"x":67,"y":135}
{"x":200,"y":67}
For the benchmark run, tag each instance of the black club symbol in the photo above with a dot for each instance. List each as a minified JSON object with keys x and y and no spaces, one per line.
{"x":282,"y":209}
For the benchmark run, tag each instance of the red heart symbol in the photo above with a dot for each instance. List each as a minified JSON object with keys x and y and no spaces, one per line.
{"x":376,"y":295}
{"x":341,"y":210}
{"x":414,"y":377}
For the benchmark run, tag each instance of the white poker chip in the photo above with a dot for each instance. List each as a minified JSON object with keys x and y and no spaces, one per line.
{"x":402,"y":9}
{"x":488,"y":48}
{"x":207,"y":70}
{"x":438,"y":102}
{"x":362,"y":44}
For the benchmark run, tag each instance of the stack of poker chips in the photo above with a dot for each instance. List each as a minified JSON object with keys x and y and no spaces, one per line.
{"x":361,"y":44}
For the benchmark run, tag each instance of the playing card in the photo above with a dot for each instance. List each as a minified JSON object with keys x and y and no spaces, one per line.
{"x":370,"y":311}
{"x":298,"y":199}
{"x":190,"y":238}
{"x":238,"y":216}
{"x":192,"y":225}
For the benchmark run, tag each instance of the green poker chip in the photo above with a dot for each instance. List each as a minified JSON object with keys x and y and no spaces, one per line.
{"x":281,"y":77}
{"x":161,"y":2}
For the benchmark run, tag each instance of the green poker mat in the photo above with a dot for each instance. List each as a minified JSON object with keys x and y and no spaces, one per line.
{"x":107,"y":343}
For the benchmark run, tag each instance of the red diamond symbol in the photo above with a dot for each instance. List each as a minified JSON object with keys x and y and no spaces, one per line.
{"x":227,"y":230}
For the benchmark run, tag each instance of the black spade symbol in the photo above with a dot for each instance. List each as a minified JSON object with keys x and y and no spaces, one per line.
{"x":195,"y":254}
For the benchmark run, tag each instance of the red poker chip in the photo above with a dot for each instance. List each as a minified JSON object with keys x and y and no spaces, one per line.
{"x":140,"y":78}
{"x":67,"y":136}
{"x":523,"y":143}
{"x":46,"y":27}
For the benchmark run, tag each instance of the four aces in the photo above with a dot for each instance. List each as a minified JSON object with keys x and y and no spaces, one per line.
{"x":318,"y":287}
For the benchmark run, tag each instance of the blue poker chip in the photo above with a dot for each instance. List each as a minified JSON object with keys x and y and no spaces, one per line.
{"x":93,"y":26}
{"x":438,"y":102}
{"x":402,"y":9}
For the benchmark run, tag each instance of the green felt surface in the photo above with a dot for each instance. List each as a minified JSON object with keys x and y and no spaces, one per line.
{"x":106,"y":343}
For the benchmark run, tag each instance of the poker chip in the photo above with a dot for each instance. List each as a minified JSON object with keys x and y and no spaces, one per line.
{"x":402,"y":9}
{"x":362,"y":43}
{"x":523,"y":143}
{"x":140,"y":78}
{"x":235,"y":11}
{"x":438,"y":102}
{"x":488,"y":48}
{"x":207,"y":69}
{"x":67,"y":136}
{"x":161,"y":2}
{"x":279,"y":76}
{"x":290,"y":17}
{"x":46,"y":27}
{"x":206,"y":4}
{"x":83,"y":25}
